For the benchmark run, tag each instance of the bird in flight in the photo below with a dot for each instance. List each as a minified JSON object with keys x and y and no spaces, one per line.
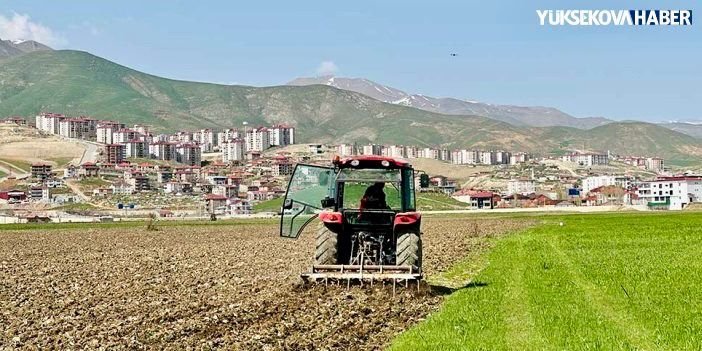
{"x":454,"y":54}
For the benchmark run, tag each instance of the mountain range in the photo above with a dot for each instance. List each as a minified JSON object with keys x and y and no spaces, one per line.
{"x":525,"y":116}
{"x":9,"y":48}
{"x":79,"y":83}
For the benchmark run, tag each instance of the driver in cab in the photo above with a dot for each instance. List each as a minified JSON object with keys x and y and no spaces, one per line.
{"x":373,"y":199}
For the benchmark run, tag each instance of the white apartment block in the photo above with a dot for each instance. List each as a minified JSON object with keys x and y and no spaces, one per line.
{"x":345,"y":150}
{"x":227,"y":134}
{"x":281,"y":135}
{"x":428,"y":152}
{"x":595,"y":182}
{"x":445,"y":155}
{"x":518,"y":158}
{"x":257,"y":139}
{"x":49,"y":122}
{"x":183,"y":137}
{"x":396,"y":151}
{"x":141,"y":129}
{"x":521,"y":186}
{"x":136,"y":149}
{"x":189,"y":154}
{"x":486,"y":157}
{"x":411,"y":152}
{"x":456,"y":157}
{"x":105,"y":130}
{"x":232,"y":150}
{"x":124,"y":135}
{"x":372,"y":149}
{"x":654,"y":164}
{"x":470,"y":157}
{"x":78,"y":128}
{"x":207,"y":139}
{"x":587,"y":160}
{"x":163,"y":150}
{"x":671,"y":192}
{"x":502,"y":157}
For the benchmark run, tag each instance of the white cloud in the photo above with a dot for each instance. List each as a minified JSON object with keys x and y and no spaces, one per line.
{"x":327,"y":68}
{"x":21,"y":27}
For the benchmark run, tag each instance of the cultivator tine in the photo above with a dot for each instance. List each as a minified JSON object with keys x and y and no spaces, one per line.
{"x":360,"y":274}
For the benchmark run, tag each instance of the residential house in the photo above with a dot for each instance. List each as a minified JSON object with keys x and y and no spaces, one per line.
{"x":478,"y":199}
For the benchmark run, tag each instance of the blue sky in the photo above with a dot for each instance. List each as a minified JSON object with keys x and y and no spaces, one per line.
{"x":504,"y":56}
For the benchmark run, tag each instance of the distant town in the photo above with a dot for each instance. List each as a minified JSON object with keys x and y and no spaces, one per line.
{"x":243,"y":170}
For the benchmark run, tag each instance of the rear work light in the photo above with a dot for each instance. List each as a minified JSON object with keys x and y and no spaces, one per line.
{"x":330,"y":217}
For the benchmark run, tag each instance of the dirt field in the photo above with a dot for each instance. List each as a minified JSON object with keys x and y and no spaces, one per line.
{"x":231,"y":287}
{"x":23,"y":143}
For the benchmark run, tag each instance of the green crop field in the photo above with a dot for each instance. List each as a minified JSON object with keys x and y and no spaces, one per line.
{"x":272,"y":205}
{"x":614,"y":281}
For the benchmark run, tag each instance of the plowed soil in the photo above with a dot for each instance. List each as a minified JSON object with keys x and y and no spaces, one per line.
{"x":202,"y":287}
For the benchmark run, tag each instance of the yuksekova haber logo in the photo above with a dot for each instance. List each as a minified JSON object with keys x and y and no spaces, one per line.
{"x":614,"y":17}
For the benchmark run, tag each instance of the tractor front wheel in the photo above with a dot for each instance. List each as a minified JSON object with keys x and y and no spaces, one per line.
{"x":327,"y":247}
{"x":409,"y":250}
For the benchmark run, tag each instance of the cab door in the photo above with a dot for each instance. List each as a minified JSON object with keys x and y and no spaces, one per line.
{"x":308,"y":186}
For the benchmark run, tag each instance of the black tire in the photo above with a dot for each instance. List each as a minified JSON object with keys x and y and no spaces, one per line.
{"x":327,"y":248}
{"x":409,"y":250}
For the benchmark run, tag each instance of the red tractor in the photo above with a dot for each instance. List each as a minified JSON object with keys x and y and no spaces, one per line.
{"x":369,"y":227}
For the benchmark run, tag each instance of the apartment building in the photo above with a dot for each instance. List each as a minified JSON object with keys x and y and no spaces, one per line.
{"x":394,"y":151}
{"x":48,"y":122}
{"x":521,"y":186}
{"x":207,"y":139}
{"x":257,"y":139}
{"x":281,"y":135}
{"x":15,"y":120}
{"x":163,"y":150}
{"x":673,"y":193}
{"x":372,"y":149}
{"x":428,"y":152}
{"x":189,"y":154}
{"x":41,"y":171}
{"x":114,"y":153}
{"x":105,"y":129}
{"x":232,"y":150}
{"x":587,"y":159}
{"x":227,"y":134}
{"x":124,"y":135}
{"x":78,"y":128}
{"x":136,"y":149}
{"x":345,"y":150}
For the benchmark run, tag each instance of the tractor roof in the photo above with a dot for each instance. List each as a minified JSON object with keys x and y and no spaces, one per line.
{"x":372,"y":161}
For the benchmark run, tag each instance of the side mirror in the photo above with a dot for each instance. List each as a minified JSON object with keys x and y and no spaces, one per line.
{"x":287,"y":204}
{"x":327,"y":202}
{"x":424,"y":180}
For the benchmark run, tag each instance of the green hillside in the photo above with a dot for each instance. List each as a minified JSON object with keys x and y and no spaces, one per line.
{"x":74,"y":82}
{"x":78,"y":83}
{"x":626,"y":138}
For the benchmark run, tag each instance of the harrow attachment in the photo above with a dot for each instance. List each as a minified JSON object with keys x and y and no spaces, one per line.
{"x":338,"y":273}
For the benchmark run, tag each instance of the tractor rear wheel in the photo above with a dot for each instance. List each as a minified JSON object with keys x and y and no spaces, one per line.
{"x":409,"y":250}
{"x":327,"y":247}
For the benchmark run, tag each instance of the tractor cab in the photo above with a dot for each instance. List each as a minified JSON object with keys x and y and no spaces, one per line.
{"x":364,"y":190}
{"x":366,"y":210}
